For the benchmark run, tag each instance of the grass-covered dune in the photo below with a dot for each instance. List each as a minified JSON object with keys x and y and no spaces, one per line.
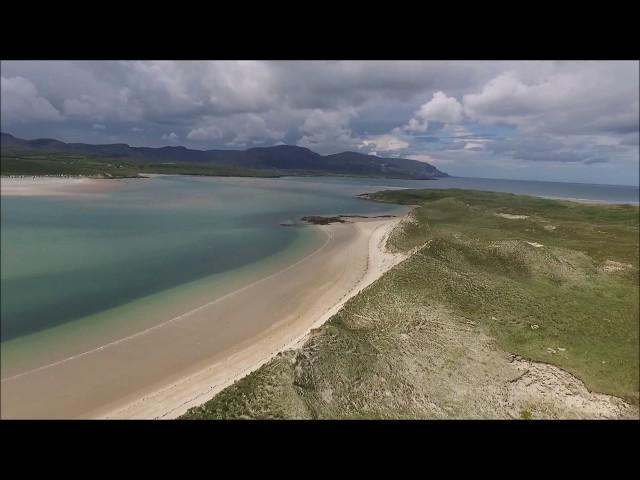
{"x":498,"y":292}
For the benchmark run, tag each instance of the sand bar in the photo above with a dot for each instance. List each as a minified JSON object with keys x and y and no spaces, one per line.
{"x":163,"y":371}
{"x":54,"y":186}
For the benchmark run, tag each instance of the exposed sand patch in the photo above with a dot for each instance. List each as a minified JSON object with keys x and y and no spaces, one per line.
{"x":613,"y":266}
{"x":535,"y":244}
{"x":512,"y":217}
{"x":547,"y":391}
{"x":432,"y":363}
{"x":54,"y":186}
{"x":161,"y":372}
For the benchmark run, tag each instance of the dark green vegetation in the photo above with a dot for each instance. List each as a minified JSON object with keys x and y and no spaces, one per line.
{"x":318,"y":220}
{"x":551,"y":281}
{"x":80,"y":165}
{"x":570,"y":288}
{"x":276,"y":161}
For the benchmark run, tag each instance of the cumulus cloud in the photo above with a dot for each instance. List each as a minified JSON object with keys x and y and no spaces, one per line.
{"x":588,"y":98}
{"x":497,"y":114}
{"x":209,"y":132}
{"x":386,"y":143}
{"x":238,"y":130}
{"x":440,"y":108}
{"x":328,"y":128}
{"x":254,"y":129}
{"x":21,"y":102}
{"x":171,"y":137}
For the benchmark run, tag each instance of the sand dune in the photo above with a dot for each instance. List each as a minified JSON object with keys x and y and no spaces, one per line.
{"x":163,"y":371}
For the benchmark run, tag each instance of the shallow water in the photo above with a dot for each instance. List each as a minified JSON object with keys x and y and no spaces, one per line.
{"x":79,"y":271}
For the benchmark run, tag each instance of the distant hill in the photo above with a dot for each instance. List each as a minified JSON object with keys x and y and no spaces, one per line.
{"x":280,"y":158}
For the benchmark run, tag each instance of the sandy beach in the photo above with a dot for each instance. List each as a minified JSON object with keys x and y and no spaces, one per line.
{"x":48,"y":186}
{"x":164,"y":370}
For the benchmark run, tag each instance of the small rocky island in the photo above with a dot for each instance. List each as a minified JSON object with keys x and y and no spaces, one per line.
{"x":320,"y":220}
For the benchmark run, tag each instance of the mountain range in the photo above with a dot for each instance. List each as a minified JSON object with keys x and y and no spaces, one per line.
{"x":278,"y":158}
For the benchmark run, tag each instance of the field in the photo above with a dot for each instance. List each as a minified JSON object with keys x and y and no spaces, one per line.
{"x":508,"y":307}
{"x":80,"y":165}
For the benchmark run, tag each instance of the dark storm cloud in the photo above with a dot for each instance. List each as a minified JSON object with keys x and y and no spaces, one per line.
{"x":548,"y":148}
{"x":552,"y":112}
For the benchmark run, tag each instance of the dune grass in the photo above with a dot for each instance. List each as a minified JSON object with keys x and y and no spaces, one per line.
{"x":557,"y":283}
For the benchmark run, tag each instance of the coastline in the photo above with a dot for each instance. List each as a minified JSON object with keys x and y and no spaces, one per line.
{"x":271,"y":315}
{"x":35,"y":186}
{"x":27,"y":185}
{"x":199,"y":387}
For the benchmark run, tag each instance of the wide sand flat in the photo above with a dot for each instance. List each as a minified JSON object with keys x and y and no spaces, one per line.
{"x":52,"y":186}
{"x":163,"y":371}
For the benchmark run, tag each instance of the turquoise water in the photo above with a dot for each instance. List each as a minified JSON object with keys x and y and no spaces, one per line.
{"x":68,"y":258}
{"x":78,"y":270}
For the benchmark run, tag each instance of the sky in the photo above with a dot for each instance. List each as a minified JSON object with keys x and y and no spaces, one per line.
{"x":574,"y":121}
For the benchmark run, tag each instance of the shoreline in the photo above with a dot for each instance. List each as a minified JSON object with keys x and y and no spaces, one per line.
{"x":201,"y":386}
{"x":36,"y":186}
{"x":163,"y":372}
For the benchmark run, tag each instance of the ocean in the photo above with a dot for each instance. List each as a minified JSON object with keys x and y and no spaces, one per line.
{"x":79,"y":271}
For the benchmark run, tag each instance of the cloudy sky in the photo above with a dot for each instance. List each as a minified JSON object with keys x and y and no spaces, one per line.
{"x":543,"y":120}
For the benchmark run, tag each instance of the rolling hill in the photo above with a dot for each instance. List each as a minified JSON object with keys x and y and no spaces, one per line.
{"x":283,"y":159}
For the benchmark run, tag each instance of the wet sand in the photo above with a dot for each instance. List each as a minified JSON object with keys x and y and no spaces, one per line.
{"x":164,"y":370}
{"x":54,"y":186}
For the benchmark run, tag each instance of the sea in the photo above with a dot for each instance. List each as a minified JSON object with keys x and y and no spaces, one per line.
{"x":79,"y":271}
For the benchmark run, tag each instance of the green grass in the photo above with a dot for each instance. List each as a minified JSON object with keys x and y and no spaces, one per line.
{"x":56,"y":164}
{"x":16,"y":162}
{"x":427,"y":340}
{"x":525,"y":414}
{"x":511,"y":285}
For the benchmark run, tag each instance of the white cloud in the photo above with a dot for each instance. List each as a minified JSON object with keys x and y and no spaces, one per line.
{"x":440,"y":109}
{"x":209,"y":132}
{"x":328,"y":128}
{"x":238,"y":130}
{"x":171,"y":137}
{"x":474,"y":146}
{"x":591,"y":107}
{"x":588,"y":98}
{"x":253,"y":129}
{"x":423,"y":157}
{"x":386,"y":143}
{"x":21,"y":102}
{"x":114,"y":106}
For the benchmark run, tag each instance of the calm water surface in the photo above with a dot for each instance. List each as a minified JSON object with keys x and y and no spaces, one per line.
{"x":66,"y":258}
{"x":156,"y":247}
